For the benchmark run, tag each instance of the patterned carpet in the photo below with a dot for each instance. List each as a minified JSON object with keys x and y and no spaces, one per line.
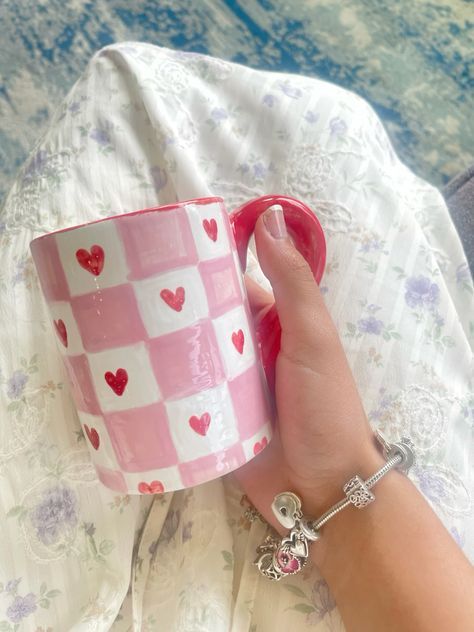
{"x":412,"y":59}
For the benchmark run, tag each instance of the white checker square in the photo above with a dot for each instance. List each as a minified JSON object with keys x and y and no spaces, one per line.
{"x":209,"y":231}
{"x":178,"y":308}
{"x":240,"y":275}
{"x":203,"y":423}
{"x":235,"y":341}
{"x":258,"y":442}
{"x":97,"y":439}
{"x":65,"y":328}
{"x":81,"y":263}
{"x":152,"y":481}
{"x":120,"y":391}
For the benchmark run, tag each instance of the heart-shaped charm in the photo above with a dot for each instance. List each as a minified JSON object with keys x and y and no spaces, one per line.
{"x":210,"y":226}
{"x":238,"y":340}
{"x":92,"y":261}
{"x":117,"y":381}
{"x":258,"y":447}
{"x":61,"y":331}
{"x":287,"y":509}
{"x":93,"y":436}
{"x":287,"y":563}
{"x":200,"y":424}
{"x":155,"y":487}
{"x":297,"y":547}
{"x":174,"y":299}
{"x":294,"y":545}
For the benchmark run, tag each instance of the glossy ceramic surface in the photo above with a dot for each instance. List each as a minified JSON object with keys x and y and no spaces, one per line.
{"x":151,"y":317}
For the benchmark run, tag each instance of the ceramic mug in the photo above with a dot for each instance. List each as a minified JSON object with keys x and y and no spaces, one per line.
{"x":166,"y":367}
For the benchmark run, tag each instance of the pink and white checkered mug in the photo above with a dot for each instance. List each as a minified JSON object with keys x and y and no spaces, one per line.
{"x":152,"y":320}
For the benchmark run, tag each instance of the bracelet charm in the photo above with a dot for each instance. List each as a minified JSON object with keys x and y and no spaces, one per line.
{"x":358,"y":493}
{"x":278,"y":557}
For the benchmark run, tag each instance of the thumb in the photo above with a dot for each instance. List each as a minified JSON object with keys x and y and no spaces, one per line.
{"x":305,"y":321}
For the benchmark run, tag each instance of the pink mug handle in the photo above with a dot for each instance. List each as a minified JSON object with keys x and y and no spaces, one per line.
{"x":307,"y":234}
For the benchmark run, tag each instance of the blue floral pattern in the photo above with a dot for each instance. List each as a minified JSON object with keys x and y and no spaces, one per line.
{"x":16,"y":383}
{"x":421,"y":292}
{"x":317,"y":606}
{"x":22,"y":606}
{"x":370,"y":326}
{"x":57,"y":508}
{"x":422,"y":296}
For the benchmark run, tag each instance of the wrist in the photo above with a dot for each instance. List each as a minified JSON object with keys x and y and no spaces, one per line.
{"x":346,"y":539}
{"x":320,"y":496}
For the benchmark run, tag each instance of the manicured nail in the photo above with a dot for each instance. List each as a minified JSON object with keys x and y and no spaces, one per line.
{"x":275,"y":222}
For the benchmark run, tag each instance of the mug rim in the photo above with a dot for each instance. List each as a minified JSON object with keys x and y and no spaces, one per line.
{"x":150,"y":209}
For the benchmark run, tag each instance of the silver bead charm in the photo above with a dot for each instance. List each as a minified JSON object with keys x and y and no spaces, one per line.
{"x":405,"y":448}
{"x":358,"y":493}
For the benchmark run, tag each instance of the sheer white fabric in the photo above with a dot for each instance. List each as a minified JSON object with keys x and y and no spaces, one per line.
{"x":146,"y":126}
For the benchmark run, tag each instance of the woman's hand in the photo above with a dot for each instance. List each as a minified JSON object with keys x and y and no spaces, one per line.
{"x":322,"y":434}
{"x":383,"y":563}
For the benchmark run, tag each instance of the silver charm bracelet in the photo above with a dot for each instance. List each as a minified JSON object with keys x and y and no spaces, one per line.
{"x":279,"y":557}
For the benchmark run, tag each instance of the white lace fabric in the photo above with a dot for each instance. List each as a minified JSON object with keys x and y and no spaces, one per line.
{"x":145,"y":126}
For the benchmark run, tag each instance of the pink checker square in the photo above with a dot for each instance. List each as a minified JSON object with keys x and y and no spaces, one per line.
{"x":50,"y":271}
{"x":82,"y":386}
{"x":187,"y":361}
{"x":108,"y":318}
{"x":208,"y":467}
{"x":111,"y":479}
{"x":157,"y":241}
{"x":221,"y":283}
{"x":141,"y":438}
{"x":249,"y":398}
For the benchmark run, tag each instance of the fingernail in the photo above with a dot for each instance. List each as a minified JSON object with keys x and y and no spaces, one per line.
{"x":275,"y":222}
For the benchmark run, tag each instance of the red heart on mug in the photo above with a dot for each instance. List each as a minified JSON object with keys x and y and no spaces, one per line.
{"x":61,"y":331}
{"x":92,"y":261}
{"x":174,"y":299}
{"x":93,"y":436}
{"x":200,"y":424}
{"x":210,"y":226}
{"x":155,"y":487}
{"x":117,"y":382}
{"x":238,"y":340}
{"x":258,"y":447}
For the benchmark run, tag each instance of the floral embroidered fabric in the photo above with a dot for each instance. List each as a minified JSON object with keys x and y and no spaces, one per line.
{"x":146,"y":126}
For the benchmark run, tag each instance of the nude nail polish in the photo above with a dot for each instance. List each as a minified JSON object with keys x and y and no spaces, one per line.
{"x":274,"y":221}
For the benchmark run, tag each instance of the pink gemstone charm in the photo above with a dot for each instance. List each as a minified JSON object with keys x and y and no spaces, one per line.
{"x":288,"y":563}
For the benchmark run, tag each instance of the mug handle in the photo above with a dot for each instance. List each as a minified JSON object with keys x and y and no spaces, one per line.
{"x":308,"y":237}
